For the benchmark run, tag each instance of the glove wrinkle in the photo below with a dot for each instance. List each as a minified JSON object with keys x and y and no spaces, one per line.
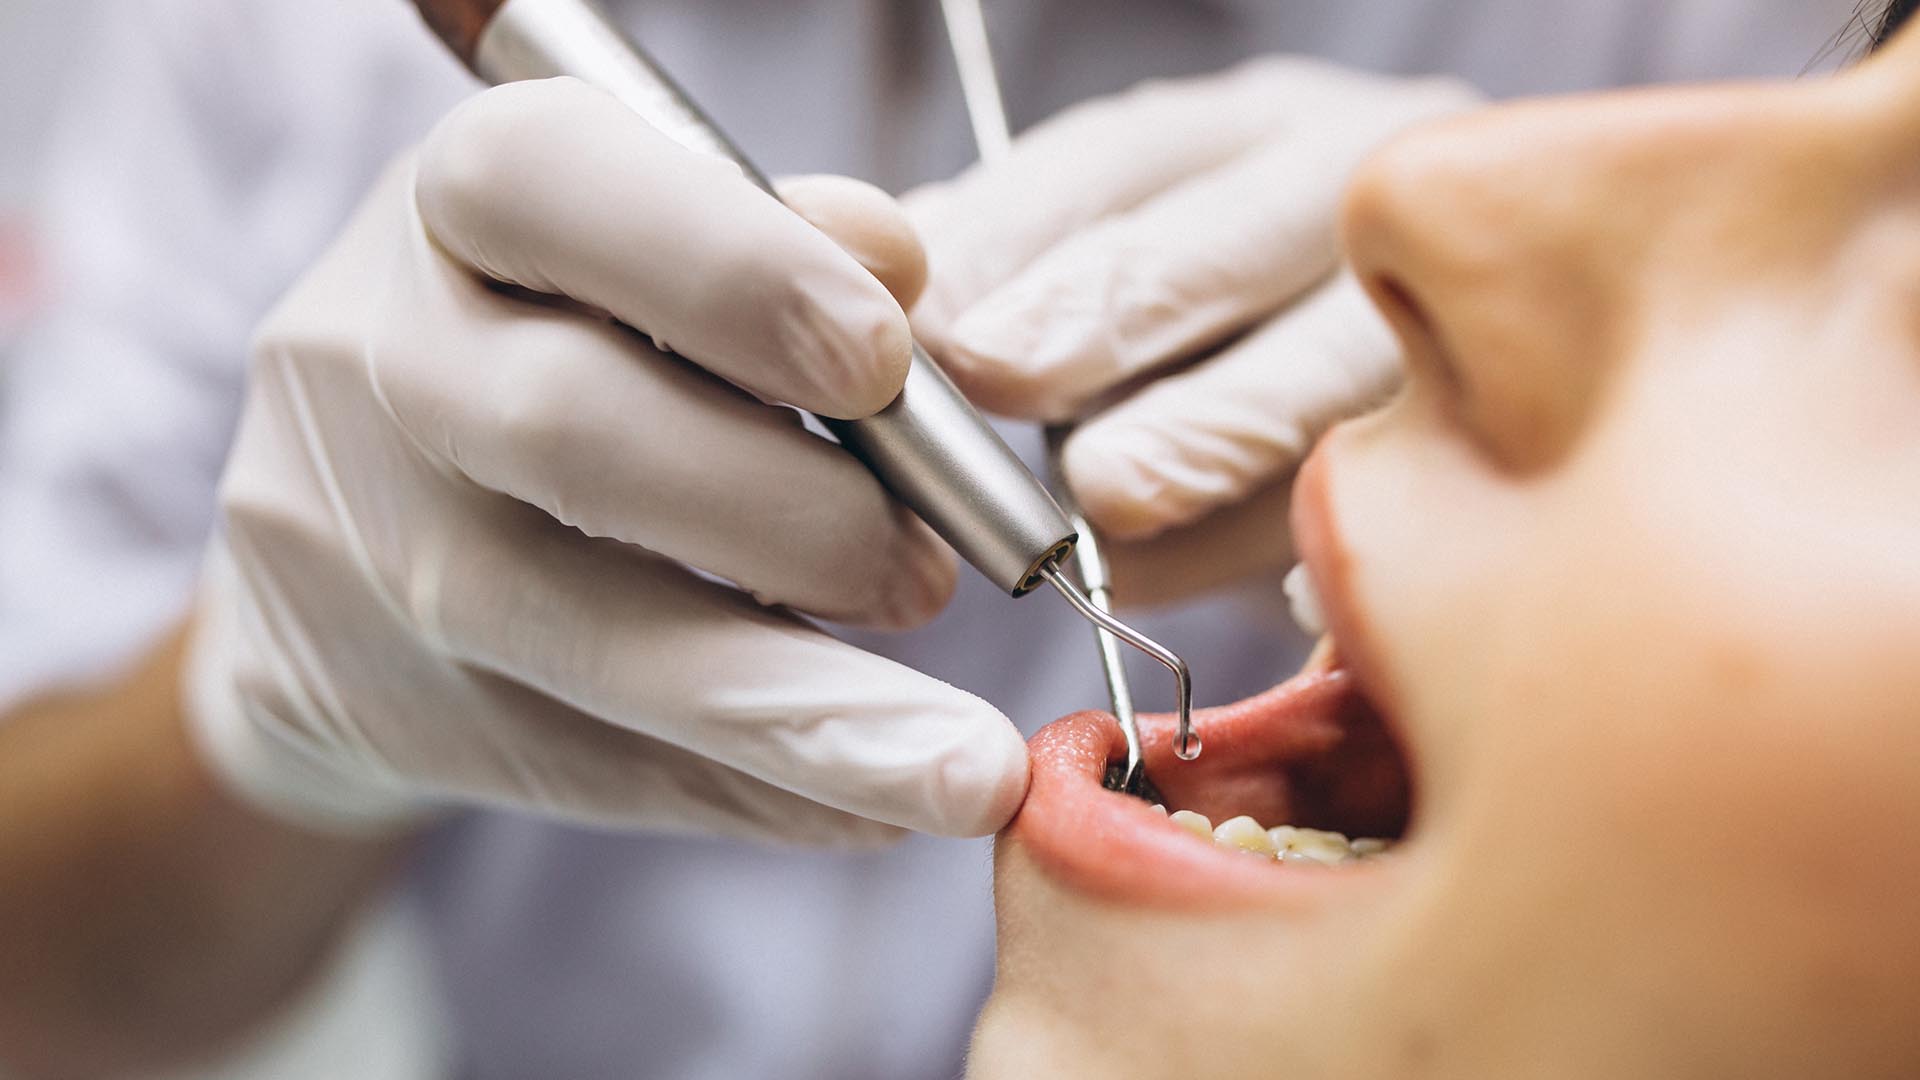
{"x":1164,"y":267}
{"x":477,"y":542}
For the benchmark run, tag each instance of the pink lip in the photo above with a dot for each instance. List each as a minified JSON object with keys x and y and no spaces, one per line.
{"x":1316,"y":536}
{"x":1308,"y":752}
{"x":1262,"y":758}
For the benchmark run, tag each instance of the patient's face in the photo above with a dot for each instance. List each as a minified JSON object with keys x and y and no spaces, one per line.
{"x":1625,"y":590}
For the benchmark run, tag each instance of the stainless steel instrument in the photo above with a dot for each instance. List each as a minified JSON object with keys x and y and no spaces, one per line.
{"x":993,"y":137}
{"x":929,"y":446}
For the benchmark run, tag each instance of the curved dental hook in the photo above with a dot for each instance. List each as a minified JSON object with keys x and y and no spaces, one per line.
{"x":980,"y":87}
{"x":1095,"y":581}
{"x":1186,"y":745}
{"x":1092,"y":566}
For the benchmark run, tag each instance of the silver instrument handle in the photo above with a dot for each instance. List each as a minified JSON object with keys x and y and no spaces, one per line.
{"x":930,"y":447}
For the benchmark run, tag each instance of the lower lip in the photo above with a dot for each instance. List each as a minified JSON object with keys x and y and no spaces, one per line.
{"x":1114,"y":847}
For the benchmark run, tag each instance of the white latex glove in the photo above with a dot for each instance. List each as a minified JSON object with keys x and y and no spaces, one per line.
{"x":461,"y":498}
{"x":1180,"y":221}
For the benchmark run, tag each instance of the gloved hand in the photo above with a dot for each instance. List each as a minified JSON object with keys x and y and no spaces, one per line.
{"x":1180,"y":221}
{"x":461,"y":497}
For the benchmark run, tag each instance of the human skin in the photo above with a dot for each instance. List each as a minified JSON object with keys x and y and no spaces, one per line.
{"x":1632,"y":570}
{"x":149,"y":917}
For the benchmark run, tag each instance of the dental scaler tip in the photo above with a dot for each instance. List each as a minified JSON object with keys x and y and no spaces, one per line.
{"x":1186,"y":745}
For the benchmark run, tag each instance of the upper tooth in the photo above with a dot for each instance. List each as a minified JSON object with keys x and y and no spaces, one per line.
{"x":1304,"y":601}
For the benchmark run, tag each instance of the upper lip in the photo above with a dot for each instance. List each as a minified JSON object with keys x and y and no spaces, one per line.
{"x":1317,"y":537}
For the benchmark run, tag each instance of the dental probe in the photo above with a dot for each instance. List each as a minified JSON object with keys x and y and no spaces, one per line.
{"x":928,"y":446}
{"x":993,"y":136}
{"x":1098,"y":585}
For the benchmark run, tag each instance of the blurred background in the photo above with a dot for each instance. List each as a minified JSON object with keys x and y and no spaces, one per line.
{"x":37,"y":38}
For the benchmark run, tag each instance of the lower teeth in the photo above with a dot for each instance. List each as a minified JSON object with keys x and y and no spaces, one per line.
{"x":1285,"y":843}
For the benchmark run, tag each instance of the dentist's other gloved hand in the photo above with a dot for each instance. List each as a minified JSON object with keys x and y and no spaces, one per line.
{"x":463,"y":505}
{"x":1164,"y":265}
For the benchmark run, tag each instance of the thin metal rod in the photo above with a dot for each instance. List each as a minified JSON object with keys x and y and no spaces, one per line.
{"x":1187,"y":745}
{"x":967,"y":31}
{"x":993,"y":137}
{"x":1098,"y":582}
{"x":1119,"y":692}
{"x":1100,"y":594}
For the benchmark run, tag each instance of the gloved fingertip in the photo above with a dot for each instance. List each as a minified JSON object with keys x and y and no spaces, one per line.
{"x":863,"y":345}
{"x":474,"y":166}
{"x":1122,"y":492}
{"x":991,"y":356}
{"x":891,"y":349}
{"x":984,"y":782}
{"x":867,"y":224}
{"x":852,"y":346}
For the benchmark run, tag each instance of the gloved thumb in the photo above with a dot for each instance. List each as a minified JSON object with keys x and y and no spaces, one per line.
{"x":867,"y":224}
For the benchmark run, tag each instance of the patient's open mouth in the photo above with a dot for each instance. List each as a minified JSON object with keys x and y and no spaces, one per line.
{"x":1312,"y":758}
{"x":1317,"y":753}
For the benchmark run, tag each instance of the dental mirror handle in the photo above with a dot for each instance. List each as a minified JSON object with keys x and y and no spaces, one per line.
{"x":930,"y":447}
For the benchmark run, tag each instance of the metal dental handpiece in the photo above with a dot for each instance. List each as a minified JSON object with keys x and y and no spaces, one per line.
{"x":980,"y":86}
{"x":929,"y":446}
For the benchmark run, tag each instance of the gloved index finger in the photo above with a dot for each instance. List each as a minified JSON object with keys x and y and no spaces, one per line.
{"x":1162,"y":282}
{"x":1099,"y":158}
{"x":557,"y":187}
{"x":1091,"y":160}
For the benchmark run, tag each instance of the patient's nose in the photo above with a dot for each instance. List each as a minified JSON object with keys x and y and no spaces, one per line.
{"x":1483,"y":238}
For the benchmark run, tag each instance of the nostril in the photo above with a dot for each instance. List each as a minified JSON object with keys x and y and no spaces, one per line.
{"x":1419,"y":339}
